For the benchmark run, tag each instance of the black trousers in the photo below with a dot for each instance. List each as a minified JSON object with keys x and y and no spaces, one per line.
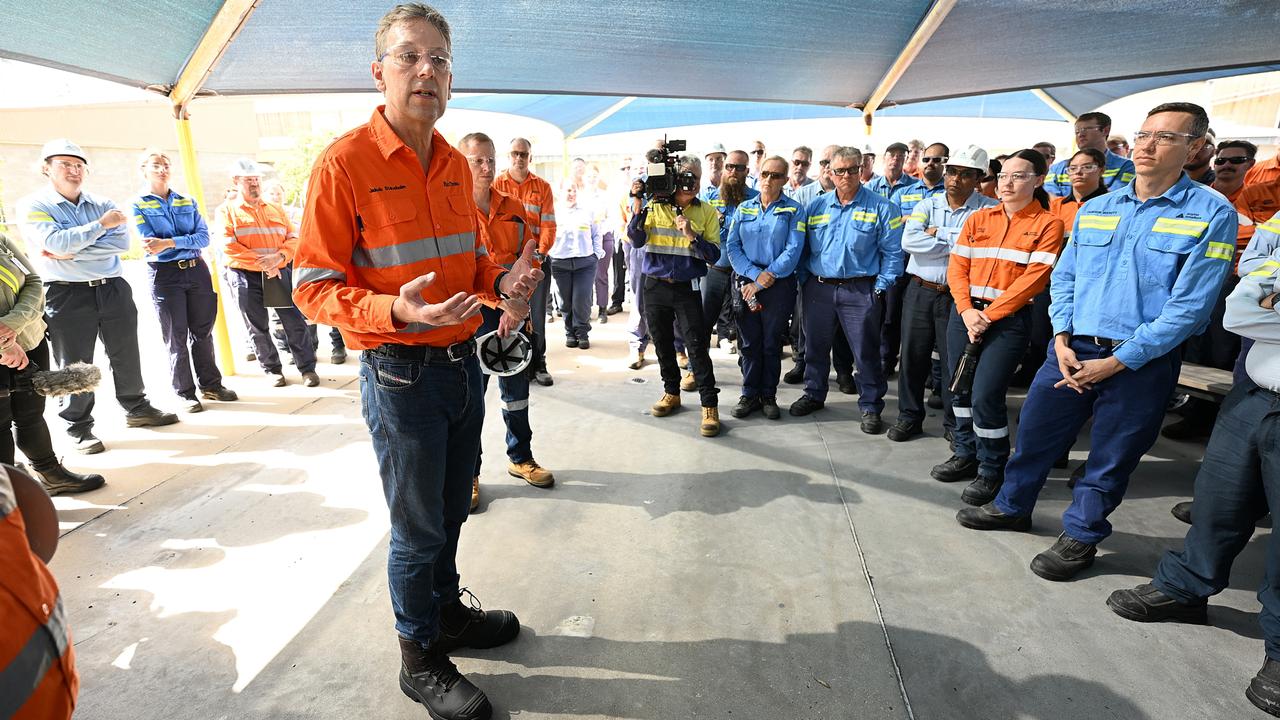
{"x":891,"y":329}
{"x":22,"y":420}
{"x":187,"y":307}
{"x":78,"y":316}
{"x":666,"y":304}
{"x":717,"y":288}
{"x":925,"y":313}
{"x":246,"y":286}
{"x":619,"y":274}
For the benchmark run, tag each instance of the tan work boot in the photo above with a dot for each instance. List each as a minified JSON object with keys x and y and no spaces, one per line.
{"x":637,"y":359}
{"x":710,"y":422}
{"x":688,"y":383}
{"x":663,"y":407}
{"x":682,"y":360}
{"x":475,"y":493}
{"x":532,"y":472}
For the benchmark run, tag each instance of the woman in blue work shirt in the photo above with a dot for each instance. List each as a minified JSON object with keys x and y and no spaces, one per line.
{"x":764,"y":247}
{"x":173,"y":235}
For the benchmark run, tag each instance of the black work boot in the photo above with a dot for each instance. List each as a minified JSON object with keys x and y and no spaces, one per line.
{"x":58,"y":480}
{"x":795,"y":375}
{"x":1264,"y":688}
{"x":1182,"y":511}
{"x":982,"y":490}
{"x":428,"y":676}
{"x":989,"y":517}
{"x":746,"y":406}
{"x":1146,"y":603}
{"x":955,"y":469}
{"x":1064,"y":559}
{"x":466,"y":625}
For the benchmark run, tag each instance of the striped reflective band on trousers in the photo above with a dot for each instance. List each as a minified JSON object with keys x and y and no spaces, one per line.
{"x":1013,"y":256}
{"x":413,"y":251}
{"x":516,"y":405}
{"x":20,"y":678}
{"x":967,"y":412}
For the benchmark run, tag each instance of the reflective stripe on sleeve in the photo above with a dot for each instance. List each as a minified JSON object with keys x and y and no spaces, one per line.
{"x":416,"y":328}
{"x":308,"y":274}
{"x":1220,"y":251}
{"x":20,"y":678}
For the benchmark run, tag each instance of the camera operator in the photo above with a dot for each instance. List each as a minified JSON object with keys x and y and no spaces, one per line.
{"x":680,"y":234}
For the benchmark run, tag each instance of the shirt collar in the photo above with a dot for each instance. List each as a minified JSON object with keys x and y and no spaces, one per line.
{"x":858,"y":197}
{"x":389,"y":142}
{"x":53,"y":197}
{"x":1175,"y":194}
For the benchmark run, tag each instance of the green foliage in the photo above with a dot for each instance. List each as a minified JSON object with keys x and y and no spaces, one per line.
{"x":295,"y":168}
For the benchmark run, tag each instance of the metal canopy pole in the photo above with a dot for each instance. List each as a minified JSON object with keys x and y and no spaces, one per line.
{"x":925,"y":30}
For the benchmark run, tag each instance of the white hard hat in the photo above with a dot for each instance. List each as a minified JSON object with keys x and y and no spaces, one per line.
{"x":970,"y":157}
{"x":62,"y":146}
{"x":715,"y":148}
{"x":244,"y":167}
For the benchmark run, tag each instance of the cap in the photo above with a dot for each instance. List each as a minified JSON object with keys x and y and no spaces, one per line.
{"x":715,"y":148}
{"x":62,"y":146}
{"x":971,"y":157}
{"x":244,"y":167}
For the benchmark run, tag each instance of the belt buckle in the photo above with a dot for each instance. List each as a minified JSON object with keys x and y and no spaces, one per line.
{"x":96,"y":283}
{"x":449,"y":351}
{"x":186,"y":264}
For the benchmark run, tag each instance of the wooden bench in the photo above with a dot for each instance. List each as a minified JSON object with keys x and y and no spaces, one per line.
{"x":1204,"y":382}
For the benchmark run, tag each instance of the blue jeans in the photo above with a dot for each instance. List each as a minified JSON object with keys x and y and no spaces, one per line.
{"x":982,"y":415}
{"x":1238,"y":480}
{"x":425,"y":420}
{"x":761,"y":335}
{"x":1127,"y":410}
{"x":574,"y":277}
{"x":858,"y":310}
{"x":187,"y":307}
{"x":515,"y":402}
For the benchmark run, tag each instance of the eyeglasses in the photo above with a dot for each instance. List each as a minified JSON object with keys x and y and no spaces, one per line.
{"x":1019,"y":177}
{"x":771,"y":175}
{"x":931,"y":159}
{"x":1087,"y":128}
{"x":757,"y":152}
{"x":1238,"y":160}
{"x":842,"y":171}
{"x":441,"y":61}
{"x":1162,"y":138}
{"x":482,"y":161}
{"x":625,"y":169}
{"x":70,"y":166}
{"x":801,"y":163}
{"x":157,"y":166}
{"x":824,"y":163}
{"x":735,"y":167}
{"x":519,"y":154}
{"x":961,"y":172}
{"x":1082,"y":168}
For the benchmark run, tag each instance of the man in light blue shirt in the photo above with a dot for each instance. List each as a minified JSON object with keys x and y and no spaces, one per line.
{"x":927,"y":305}
{"x":1140,"y":276}
{"x":893,"y":179}
{"x":1091,"y":131}
{"x":79,"y":239}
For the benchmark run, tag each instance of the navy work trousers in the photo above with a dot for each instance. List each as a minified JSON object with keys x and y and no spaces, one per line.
{"x":855,"y":307}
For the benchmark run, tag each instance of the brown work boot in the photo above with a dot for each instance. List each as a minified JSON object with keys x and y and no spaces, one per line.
{"x":710,"y":422}
{"x":688,"y":383}
{"x":663,"y":407}
{"x":682,"y":360}
{"x":532,"y":472}
{"x":637,"y":359}
{"x":475,"y":493}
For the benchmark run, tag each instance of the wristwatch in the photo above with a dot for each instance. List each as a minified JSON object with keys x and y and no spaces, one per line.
{"x":497,"y":285}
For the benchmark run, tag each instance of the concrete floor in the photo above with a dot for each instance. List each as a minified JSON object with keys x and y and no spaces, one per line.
{"x":233,"y":567}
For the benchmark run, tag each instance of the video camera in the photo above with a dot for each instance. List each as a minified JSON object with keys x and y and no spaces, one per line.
{"x":664,"y":180}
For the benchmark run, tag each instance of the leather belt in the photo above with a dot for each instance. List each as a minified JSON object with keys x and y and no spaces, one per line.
{"x":1101,"y":341}
{"x":936,"y":287}
{"x":180,"y":264}
{"x":456,"y":352}
{"x":84,"y":283}
{"x":842,"y":281}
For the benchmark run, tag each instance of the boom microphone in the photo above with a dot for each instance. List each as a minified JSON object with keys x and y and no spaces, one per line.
{"x":70,"y":380}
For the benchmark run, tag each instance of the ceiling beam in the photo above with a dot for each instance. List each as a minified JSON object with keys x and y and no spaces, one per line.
{"x":222,"y":30}
{"x":1053,"y":104}
{"x":928,"y":26}
{"x":608,"y":112}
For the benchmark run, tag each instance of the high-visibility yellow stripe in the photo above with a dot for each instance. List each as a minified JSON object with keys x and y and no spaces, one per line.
{"x":1272,"y":225}
{"x":138,"y":220}
{"x":37,"y":216}
{"x":148,"y":204}
{"x":1267,"y":268}
{"x":914,"y":197}
{"x":1099,"y":222}
{"x":1221,"y":251}
{"x":801,"y":226}
{"x":183,"y":202}
{"x":1178,"y":226}
{"x":749,"y":211}
{"x":9,"y":278}
{"x":783,"y":210}
{"x":895,"y":223}
{"x":920,"y":216}
{"x":864,"y":216}
{"x":822,"y":219}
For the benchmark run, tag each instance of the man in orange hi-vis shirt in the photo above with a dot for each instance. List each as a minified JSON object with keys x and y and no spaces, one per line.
{"x":389,"y":254}
{"x":519,"y":182}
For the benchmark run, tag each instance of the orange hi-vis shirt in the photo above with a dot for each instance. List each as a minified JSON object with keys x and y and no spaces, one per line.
{"x":255,"y":230}
{"x":1256,"y":205}
{"x":1005,"y":260}
{"x":375,"y":221}
{"x":37,"y":662}
{"x":1263,"y":172}
{"x":539,"y":203}
{"x":504,"y":230}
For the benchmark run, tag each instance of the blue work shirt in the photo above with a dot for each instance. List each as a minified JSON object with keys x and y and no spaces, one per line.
{"x":1145,"y":273}
{"x":930,"y":253}
{"x":907,"y":197}
{"x":1261,"y":246}
{"x":711,"y":196}
{"x":54,"y":224}
{"x":881,"y":186}
{"x":1118,"y":173}
{"x":766,"y":238}
{"x":176,"y":217}
{"x":860,"y":239}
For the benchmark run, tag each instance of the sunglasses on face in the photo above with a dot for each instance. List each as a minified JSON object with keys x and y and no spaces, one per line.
{"x":824,"y":163}
{"x":757,"y":152}
{"x":771,"y":175}
{"x":801,"y":163}
{"x":519,"y":154}
{"x":931,"y":159}
{"x":1233,"y":160}
{"x":842,"y":171}
{"x":735,"y":167}
{"x":961,"y":172}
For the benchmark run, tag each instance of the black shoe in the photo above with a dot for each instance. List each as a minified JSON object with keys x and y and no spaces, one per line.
{"x":58,"y":480}
{"x":466,"y":625}
{"x":603,"y":316}
{"x":950,"y":437}
{"x":571,"y":342}
{"x":279,"y":379}
{"x":310,"y":378}
{"x":982,"y":490}
{"x":1182,"y":511}
{"x":746,"y":406}
{"x":338,"y":356}
{"x":613,"y":309}
{"x":904,"y":430}
{"x":871,"y":423}
{"x":1064,"y":560}
{"x":1146,"y":603}
{"x":1187,"y":429}
{"x":192,"y":405}
{"x":219,"y":393}
{"x":770,"y":408}
{"x":934,"y":401}
{"x":955,"y":469}
{"x":988,"y":517}
{"x":428,"y":676}
{"x":846,"y":384}
{"x":795,"y":375}
{"x":148,"y":416}
{"x":805,"y":405}
{"x":542,"y":377}
{"x":584,"y":344}
{"x":1264,"y":688}
{"x":251,"y":356}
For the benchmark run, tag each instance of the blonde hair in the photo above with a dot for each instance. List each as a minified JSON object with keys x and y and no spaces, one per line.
{"x":404,"y":13}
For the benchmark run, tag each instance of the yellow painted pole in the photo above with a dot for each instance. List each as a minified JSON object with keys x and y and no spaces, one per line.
{"x":187,"y":149}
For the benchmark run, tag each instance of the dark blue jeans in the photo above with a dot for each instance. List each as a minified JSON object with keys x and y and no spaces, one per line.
{"x":856,"y":308}
{"x":761,"y":335}
{"x":515,"y":402}
{"x":187,"y":307}
{"x":246,"y":285}
{"x":1127,"y":409}
{"x":425,"y":420}
{"x":1238,"y":481}
{"x":982,"y":416}
{"x":574,"y":277}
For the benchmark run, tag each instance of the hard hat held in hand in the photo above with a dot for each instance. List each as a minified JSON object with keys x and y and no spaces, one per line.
{"x":503,"y":356}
